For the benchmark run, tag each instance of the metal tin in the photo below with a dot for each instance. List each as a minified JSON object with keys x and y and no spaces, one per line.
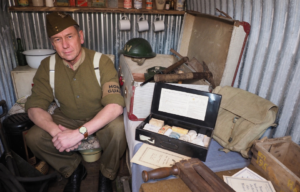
{"x":148,"y":4}
{"x":98,"y":3}
{"x":179,"y":5}
{"x":23,"y":2}
{"x":138,"y":4}
{"x":127,"y":4}
{"x":82,"y":3}
{"x":62,"y":3}
{"x":72,"y":3}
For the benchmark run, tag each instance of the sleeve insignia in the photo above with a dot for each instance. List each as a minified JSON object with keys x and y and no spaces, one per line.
{"x":111,"y":88}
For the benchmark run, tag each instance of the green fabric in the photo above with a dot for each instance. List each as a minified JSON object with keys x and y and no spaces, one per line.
{"x":57,"y":22}
{"x":78,"y":92}
{"x":243,"y":118}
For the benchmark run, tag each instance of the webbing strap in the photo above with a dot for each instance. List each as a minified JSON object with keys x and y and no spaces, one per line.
{"x":96,"y":61}
{"x":52,"y":76}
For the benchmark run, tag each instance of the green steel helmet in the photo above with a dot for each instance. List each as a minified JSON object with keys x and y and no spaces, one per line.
{"x":138,"y":48}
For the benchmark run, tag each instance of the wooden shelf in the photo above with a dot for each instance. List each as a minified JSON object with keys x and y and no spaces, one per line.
{"x":94,"y":9}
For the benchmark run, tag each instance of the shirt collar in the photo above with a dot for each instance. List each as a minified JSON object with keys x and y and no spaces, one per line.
{"x":78,"y":63}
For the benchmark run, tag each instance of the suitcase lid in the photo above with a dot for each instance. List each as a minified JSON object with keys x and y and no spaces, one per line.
{"x":188,"y":105}
{"x":219,"y":42}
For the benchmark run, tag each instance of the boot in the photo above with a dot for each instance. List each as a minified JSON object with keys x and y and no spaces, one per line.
{"x":75,"y":179}
{"x":105,"y":184}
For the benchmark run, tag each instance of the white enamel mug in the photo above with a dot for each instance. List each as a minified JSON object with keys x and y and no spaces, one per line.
{"x":158,"y":25}
{"x":49,"y":3}
{"x":124,"y":23}
{"x":142,"y":24}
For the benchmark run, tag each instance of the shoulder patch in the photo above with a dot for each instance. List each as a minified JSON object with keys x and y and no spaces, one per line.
{"x":111,"y":88}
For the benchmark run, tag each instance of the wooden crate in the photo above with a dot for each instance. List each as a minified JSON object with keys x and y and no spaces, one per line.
{"x":279,"y":160}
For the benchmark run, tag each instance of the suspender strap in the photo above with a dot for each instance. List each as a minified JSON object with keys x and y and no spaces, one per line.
{"x":96,"y":62}
{"x":96,"y":66}
{"x":52,"y":76}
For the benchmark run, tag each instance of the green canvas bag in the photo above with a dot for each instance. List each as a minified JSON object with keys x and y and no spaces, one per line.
{"x":243,"y":118}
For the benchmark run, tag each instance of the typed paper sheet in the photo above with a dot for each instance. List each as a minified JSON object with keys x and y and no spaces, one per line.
{"x":154,"y":157}
{"x":183,"y":104}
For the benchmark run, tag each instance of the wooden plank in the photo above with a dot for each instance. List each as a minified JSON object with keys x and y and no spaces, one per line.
{"x":292,"y":161}
{"x":279,"y":150}
{"x":93,"y":9}
{"x":191,"y":178}
{"x":210,"y":177}
{"x":277,"y":172}
{"x":120,"y":9}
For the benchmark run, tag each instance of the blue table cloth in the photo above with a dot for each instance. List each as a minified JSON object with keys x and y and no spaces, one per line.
{"x":216,"y":160}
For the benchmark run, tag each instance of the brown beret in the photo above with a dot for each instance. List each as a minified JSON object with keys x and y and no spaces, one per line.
{"x":57,"y":22}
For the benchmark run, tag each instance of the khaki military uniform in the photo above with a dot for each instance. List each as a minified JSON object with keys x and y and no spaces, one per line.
{"x":81,"y":98}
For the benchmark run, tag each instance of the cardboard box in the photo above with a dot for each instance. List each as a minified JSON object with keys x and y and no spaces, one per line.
{"x":181,"y":107}
{"x":278,"y":160}
{"x":217,"y":41}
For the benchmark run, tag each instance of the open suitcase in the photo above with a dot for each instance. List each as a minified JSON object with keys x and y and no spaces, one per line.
{"x":219,"y":42}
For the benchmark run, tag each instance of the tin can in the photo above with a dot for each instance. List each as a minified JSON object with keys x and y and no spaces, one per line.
{"x":82,"y":3}
{"x":62,"y":3}
{"x":138,"y":4}
{"x":98,"y":3}
{"x":72,"y":3}
{"x":179,"y":5}
{"x":127,"y":4}
{"x":148,"y":4}
{"x":23,"y":3}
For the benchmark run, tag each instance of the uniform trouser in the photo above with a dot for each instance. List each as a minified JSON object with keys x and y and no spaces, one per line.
{"x":111,"y":138}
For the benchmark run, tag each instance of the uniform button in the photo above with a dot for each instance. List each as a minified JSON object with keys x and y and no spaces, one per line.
{"x":74,"y":79}
{"x":77,"y":96}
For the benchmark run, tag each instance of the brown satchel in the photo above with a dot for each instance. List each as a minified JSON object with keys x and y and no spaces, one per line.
{"x":195,"y":174}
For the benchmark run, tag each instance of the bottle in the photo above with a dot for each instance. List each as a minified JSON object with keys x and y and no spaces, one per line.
{"x":172,"y":5}
{"x":168,"y":5}
{"x":21,"y":57}
{"x":184,"y":6}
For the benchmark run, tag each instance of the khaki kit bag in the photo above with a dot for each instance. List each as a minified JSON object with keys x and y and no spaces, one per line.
{"x":243,"y":118}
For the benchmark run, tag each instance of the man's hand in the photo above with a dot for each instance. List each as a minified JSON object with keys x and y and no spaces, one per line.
{"x":67,"y":140}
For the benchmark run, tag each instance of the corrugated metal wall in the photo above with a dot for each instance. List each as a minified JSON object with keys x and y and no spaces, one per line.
{"x":7,"y":57}
{"x":270,"y":65}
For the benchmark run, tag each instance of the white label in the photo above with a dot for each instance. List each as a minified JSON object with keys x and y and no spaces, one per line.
{"x":183,"y":104}
{"x":147,"y":139}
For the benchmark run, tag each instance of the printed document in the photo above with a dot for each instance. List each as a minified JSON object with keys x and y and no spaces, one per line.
{"x":249,"y":185}
{"x":246,"y":173}
{"x":154,"y":157}
{"x":183,"y":104}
